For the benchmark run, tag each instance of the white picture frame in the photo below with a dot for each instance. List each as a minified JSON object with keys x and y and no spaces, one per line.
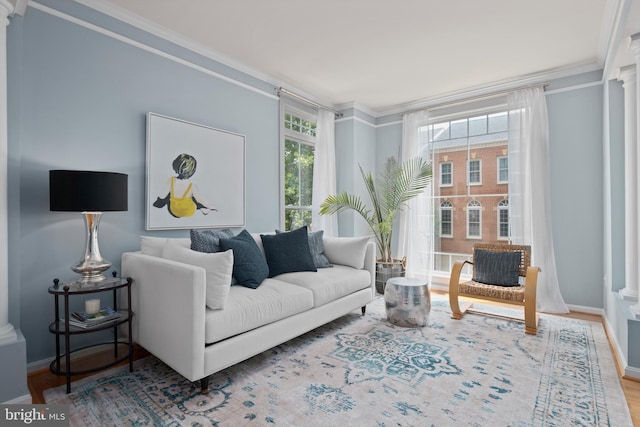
{"x":208,"y":183}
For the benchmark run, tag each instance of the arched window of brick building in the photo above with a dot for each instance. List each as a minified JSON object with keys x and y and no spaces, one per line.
{"x":474,"y":220}
{"x":503,"y":220}
{"x":446,"y":219}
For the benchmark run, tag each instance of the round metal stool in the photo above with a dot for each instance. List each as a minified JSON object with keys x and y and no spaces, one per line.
{"x":407,"y":302}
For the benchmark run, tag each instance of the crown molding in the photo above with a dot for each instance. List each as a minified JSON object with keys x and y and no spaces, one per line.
{"x":157,"y":30}
{"x":150,"y":27}
{"x":615,"y":11}
{"x":613,"y":34}
{"x":612,"y":29}
{"x":7,"y":8}
{"x":497,"y":86}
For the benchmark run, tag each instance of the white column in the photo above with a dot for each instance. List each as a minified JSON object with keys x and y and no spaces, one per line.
{"x":628,"y":76}
{"x":7,"y":332}
{"x":635,"y":48}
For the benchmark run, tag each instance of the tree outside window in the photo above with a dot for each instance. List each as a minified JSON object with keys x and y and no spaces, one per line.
{"x":298,"y":170}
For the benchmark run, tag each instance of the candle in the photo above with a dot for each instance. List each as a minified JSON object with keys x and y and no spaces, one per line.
{"x":92,"y":306}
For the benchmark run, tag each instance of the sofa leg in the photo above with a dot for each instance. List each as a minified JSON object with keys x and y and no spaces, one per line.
{"x":364,"y":309}
{"x":204,"y":385}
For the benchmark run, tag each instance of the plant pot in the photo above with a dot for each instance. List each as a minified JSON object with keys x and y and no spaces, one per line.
{"x":386,"y":270}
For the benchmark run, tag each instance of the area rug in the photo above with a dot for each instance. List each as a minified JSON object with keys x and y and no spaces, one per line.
{"x":364,"y":371}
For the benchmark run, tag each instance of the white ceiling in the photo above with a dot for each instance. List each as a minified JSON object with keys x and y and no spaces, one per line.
{"x":383,"y":54}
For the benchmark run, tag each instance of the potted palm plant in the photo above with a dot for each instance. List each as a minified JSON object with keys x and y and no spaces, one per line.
{"x":389,"y":192}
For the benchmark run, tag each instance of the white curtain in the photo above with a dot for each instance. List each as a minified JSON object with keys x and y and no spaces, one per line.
{"x":324,"y":173}
{"x":529,"y":190}
{"x":416,"y":222}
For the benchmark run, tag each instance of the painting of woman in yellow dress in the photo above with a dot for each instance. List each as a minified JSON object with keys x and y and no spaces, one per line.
{"x":180,"y":195}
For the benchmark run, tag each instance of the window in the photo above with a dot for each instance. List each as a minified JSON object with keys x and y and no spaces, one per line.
{"x":473,"y":144}
{"x":503,"y":220}
{"x":474,"y":220}
{"x":474,"y":177}
{"x":300,"y":136}
{"x":446,"y":219}
{"x":503,"y":170}
{"x":446,"y":174}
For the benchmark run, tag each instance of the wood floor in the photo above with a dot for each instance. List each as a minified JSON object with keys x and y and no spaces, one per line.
{"x":42,"y":380}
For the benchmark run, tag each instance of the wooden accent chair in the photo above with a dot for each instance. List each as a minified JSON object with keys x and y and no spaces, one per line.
{"x":492,"y":259}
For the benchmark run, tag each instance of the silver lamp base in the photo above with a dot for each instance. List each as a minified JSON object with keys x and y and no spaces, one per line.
{"x":92,"y":265}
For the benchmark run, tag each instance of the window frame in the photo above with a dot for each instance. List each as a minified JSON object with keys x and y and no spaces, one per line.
{"x":474,"y":205}
{"x":299,"y":138}
{"x":503,"y":206}
{"x":442,"y":184}
{"x":479,"y":182}
{"x":499,"y":170}
{"x":447,"y":208}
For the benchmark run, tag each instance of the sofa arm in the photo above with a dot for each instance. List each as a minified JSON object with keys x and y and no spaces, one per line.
{"x":168,"y":301}
{"x":348,"y":251}
{"x":370,"y":264}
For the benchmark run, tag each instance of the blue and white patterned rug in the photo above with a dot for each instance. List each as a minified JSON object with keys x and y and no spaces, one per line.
{"x":363,"y":371}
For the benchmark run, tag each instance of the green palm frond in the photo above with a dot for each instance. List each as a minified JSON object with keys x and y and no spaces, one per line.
{"x":389,"y":192}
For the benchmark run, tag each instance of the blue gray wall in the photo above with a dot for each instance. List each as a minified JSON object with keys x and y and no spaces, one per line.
{"x":355,"y":146}
{"x":78,"y":100}
{"x":575,"y":133}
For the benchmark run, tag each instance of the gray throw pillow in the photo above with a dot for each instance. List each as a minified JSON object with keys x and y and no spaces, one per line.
{"x":209,"y":240}
{"x":288,"y":252}
{"x":249,"y":265}
{"x":316,"y":246}
{"x":496,"y":268}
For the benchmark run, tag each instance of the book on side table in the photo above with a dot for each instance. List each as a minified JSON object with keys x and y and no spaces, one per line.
{"x":84,"y":320}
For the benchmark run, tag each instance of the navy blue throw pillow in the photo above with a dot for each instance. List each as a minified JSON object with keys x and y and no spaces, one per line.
{"x":496,"y":268}
{"x":316,"y":246}
{"x":249,"y":265}
{"x":288,"y":252}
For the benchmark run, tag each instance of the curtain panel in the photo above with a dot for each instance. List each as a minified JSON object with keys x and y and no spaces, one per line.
{"x":416,"y":221}
{"x":530,"y":191}
{"x":324,"y":173}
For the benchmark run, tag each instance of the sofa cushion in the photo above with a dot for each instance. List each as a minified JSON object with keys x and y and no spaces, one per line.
{"x":316,"y":246}
{"x":496,"y":268}
{"x":218,"y":267}
{"x":208,"y":240}
{"x":153,"y":246}
{"x":249,"y":266}
{"x":329,"y":284}
{"x":287,"y":252}
{"x":348,"y":251}
{"x":248,"y":309}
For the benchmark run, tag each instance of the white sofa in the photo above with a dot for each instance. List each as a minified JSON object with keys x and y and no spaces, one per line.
{"x":172,"y":321}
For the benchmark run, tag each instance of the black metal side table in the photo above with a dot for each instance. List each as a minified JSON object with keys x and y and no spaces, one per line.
{"x":60,"y":327}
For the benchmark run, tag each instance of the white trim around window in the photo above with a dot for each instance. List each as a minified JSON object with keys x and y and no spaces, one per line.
{"x":478,"y":171}
{"x":446,"y":218}
{"x":502,"y":218}
{"x":448,"y":174}
{"x":474,"y":208}
{"x":502,"y":170}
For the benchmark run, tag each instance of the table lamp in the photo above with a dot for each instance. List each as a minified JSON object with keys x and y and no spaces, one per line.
{"x":90,"y":193}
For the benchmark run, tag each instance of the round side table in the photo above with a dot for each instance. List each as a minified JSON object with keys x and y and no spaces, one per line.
{"x":407,"y":302}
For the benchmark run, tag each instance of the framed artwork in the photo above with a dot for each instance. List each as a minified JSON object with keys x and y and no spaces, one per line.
{"x":195,"y":175}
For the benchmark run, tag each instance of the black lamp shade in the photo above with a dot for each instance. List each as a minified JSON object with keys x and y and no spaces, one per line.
{"x":86,"y":191}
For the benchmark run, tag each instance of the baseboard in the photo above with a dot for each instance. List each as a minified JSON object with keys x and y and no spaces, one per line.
{"x":587,"y":310}
{"x":621,"y":361}
{"x":633,"y":373}
{"x":39,"y":365}
{"x":22,"y":400}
